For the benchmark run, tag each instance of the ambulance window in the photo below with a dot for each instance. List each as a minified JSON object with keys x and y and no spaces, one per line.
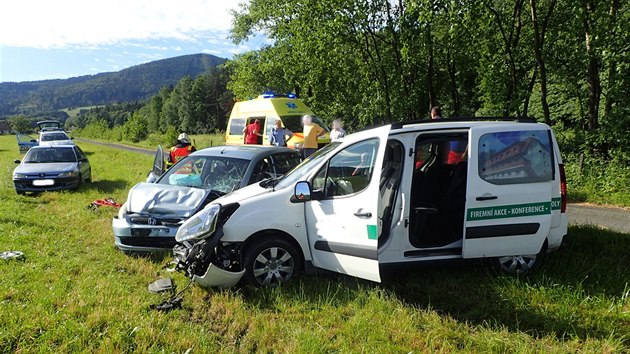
{"x":515,"y":157}
{"x":270,"y":124}
{"x":236,"y":126}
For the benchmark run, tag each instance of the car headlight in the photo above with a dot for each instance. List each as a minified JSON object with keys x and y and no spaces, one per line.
{"x":18,"y":175}
{"x":69,"y":174}
{"x":199,"y":225}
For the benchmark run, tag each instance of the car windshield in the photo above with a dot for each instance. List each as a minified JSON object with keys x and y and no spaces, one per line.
{"x":306,"y":166}
{"x":48,"y":155}
{"x":54,"y":136}
{"x":220,"y":174}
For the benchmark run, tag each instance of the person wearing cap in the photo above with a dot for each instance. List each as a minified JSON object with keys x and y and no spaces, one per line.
{"x":182,"y":149}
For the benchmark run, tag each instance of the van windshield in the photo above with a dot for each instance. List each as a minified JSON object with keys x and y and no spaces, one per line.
{"x":306,"y":166}
{"x":294,"y":123}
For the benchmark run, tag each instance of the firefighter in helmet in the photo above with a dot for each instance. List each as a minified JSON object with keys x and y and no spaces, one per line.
{"x":181,"y":150}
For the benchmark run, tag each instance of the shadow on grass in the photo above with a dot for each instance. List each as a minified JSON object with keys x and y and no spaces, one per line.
{"x":569,"y":296}
{"x":105,"y":186}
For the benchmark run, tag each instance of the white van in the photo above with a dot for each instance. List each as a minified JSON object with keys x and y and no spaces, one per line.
{"x":398,"y":194}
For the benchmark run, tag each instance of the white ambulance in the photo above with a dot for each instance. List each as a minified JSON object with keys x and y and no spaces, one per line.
{"x":395,"y":195}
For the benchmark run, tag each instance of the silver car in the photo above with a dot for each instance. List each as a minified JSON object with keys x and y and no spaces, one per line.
{"x":48,"y":168}
{"x":153,"y":212}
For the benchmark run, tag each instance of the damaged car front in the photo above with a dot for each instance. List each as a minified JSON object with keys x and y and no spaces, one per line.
{"x":153,"y":212}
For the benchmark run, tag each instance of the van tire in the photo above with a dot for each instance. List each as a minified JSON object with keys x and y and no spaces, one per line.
{"x":520,"y":265}
{"x":271,"y":262}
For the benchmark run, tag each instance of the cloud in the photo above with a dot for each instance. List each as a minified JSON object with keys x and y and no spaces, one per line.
{"x":70,"y":23}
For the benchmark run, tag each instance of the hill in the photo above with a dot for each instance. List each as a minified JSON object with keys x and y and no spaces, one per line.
{"x":132,"y":84}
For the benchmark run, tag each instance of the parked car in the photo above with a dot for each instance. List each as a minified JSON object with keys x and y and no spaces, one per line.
{"x":55,"y":137}
{"x":47,"y":168}
{"x":400,"y":194}
{"x":153,"y":212}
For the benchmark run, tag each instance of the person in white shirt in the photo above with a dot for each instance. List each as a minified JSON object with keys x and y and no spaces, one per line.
{"x":337,"y":131}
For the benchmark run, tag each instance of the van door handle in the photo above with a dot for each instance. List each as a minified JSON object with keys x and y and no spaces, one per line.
{"x":489,"y":197}
{"x":365,"y":214}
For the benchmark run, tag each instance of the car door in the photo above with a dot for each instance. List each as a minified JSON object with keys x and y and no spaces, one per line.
{"x":25,"y":141}
{"x":158,"y":162}
{"x":82,"y":160}
{"x":343,"y":217}
{"x":508,"y":196}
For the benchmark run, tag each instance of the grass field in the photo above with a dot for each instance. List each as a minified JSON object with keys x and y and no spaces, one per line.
{"x":76,"y":292}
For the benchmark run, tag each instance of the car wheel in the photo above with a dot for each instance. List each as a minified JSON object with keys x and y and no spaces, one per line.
{"x":80,"y":182}
{"x":520,"y":265}
{"x":89,"y":179}
{"x":20,"y":192}
{"x":271,"y":262}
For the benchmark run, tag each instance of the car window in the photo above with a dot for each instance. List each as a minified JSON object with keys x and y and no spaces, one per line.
{"x":306,"y":166}
{"x":50,"y":155}
{"x":80,"y":153}
{"x":270,"y":124}
{"x":54,"y":137}
{"x":294,"y":123}
{"x":286,"y":162}
{"x":515,"y":157}
{"x":349,"y":171}
{"x":236,"y":126}
{"x":209,"y":172}
{"x":263,"y":169}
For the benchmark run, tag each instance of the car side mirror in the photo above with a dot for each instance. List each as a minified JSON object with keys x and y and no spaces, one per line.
{"x":17,"y":161}
{"x":302,"y":192}
{"x":71,"y":138}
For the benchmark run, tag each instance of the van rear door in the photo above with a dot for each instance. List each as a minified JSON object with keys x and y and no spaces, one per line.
{"x":343,"y":218}
{"x":509,"y":191}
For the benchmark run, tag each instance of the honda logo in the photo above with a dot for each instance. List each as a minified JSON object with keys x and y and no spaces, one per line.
{"x":152,"y":221}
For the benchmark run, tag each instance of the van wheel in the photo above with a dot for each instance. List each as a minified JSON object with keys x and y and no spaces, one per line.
{"x":521,"y":265}
{"x":271,"y":262}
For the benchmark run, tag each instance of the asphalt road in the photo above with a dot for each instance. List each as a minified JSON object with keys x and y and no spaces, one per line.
{"x":615,"y":219}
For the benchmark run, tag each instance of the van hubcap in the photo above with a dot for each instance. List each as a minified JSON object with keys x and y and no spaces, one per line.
{"x":273,"y":266}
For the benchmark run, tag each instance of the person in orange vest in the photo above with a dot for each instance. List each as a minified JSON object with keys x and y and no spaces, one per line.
{"x":181,"y":150}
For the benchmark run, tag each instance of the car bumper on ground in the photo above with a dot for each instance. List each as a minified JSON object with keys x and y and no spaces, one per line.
{"x":130,"y":237}
{"x":45,"y":184}
{"x":215,"y":276}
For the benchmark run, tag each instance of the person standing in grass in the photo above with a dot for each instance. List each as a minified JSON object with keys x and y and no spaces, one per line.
{"x":312,"y":131}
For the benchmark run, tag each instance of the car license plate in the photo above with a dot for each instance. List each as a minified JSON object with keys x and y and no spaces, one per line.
{"x":43,"y":182}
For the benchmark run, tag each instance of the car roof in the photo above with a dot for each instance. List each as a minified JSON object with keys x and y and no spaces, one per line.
{"x":58,"y":146}
{"x":463,"y":122}
{"x":247,"y":152}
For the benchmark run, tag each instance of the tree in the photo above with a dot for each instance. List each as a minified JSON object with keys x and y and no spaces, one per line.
{"x":20,"y":124}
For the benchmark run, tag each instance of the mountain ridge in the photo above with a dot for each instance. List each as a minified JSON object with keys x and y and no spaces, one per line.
{"x":135,"y":83}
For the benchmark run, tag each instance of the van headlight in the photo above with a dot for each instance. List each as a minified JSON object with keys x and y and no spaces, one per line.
{"x":202,"y":224}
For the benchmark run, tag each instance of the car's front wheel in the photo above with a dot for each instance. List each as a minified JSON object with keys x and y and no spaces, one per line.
{"x":271,"y":262}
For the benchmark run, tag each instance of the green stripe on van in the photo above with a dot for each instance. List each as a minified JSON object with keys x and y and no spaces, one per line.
{"x":555,"y":203}
{"x":371,"y":231}
{"x":508,"y":211}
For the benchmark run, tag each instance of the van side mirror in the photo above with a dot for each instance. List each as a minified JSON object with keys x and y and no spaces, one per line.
{"x":302,"y":192}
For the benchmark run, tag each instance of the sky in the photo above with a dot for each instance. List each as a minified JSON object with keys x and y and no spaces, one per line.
{"x":58,"y":39}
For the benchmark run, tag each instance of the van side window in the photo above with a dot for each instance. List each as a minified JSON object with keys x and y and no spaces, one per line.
{"x":349,"y":171}
{"x":515,"y":157}
{"x":236,"y":126}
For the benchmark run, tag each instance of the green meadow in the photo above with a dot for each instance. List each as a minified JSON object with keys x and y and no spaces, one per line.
{"x":74,"y":292}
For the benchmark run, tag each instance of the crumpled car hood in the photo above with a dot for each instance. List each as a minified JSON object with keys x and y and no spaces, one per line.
{"x":164,"y":199}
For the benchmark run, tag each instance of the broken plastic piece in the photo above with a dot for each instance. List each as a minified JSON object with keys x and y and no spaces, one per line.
{"x":168,"y":305}
{"x":162,"y":285}
{"x":12,"y":255}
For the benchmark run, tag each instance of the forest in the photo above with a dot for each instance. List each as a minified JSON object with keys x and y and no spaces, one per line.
{"x":564,"y":63}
